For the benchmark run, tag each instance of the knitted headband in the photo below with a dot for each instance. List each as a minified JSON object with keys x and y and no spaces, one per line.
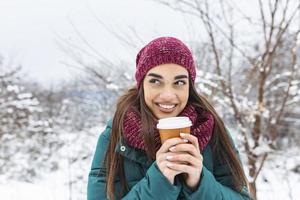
{"x":164,"y":50}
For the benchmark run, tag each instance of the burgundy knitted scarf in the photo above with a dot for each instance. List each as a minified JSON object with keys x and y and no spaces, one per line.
{"x":202,"y":128}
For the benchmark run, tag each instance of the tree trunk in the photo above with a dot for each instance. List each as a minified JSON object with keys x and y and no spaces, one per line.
{"x":252,"y":173}
{"x":252,"y":187}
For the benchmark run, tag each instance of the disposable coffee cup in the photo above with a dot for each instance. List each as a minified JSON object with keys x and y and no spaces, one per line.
{"x":172,"y":127}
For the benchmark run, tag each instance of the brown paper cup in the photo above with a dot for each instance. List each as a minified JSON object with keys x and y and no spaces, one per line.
{"x":172,"y":127}
{"x":171,"y":133}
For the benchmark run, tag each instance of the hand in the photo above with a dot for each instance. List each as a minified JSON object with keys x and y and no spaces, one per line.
{"x":161,"y":158}
{"x":189,"y":162}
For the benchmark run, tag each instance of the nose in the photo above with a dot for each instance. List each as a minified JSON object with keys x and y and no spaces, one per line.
{"x":167,"y":94}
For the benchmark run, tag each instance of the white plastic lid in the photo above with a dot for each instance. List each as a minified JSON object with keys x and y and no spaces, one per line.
{"x":174,"y":122}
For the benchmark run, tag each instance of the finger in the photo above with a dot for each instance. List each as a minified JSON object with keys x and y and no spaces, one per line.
{"x":181,"y":167}
{"x":191,"y":138}
{"x":168,"y":171}
{"x":169,"y":143}
{"x":163,"y":156}
{"x":185,"y":158}
{"x":189,"y":148}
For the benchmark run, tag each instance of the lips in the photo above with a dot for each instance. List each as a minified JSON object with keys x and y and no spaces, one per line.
{"x":166,"y":108}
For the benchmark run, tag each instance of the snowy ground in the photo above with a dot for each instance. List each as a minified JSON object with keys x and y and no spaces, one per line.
{"x":20,"y":190}
{"x":277,"y":180}
{"x":54,"y":186}
{"x":272,"y":185}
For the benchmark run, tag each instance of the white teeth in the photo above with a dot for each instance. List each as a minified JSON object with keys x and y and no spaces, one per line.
{"x":166,"y":106}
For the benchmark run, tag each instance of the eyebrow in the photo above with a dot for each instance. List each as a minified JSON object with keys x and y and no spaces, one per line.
{"x":155,"y":75}
{"x":160,"y":77}
{"x":180,"y":77}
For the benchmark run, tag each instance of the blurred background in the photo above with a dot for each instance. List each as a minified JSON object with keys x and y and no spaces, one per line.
{"x":64,"y":63}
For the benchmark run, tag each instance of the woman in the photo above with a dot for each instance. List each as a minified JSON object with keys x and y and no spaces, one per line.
{"x":131,"y":163}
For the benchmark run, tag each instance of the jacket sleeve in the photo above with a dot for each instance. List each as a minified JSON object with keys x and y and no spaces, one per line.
{"x":211,"y":188}
{"x":216,"y":185}
{"x":153,"y":186}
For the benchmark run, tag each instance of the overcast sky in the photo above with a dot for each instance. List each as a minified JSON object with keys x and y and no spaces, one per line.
{"x":30,"y":29}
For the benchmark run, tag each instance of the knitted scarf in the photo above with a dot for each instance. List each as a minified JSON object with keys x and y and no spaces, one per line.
{"x":202,"y":128}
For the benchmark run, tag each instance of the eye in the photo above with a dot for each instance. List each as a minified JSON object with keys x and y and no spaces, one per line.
{"x":180,"y":82}
{"x":154,"y":81}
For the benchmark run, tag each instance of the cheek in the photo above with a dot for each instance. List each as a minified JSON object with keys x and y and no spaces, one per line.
{"x":148,"y":95}
{"x":184,"y":97}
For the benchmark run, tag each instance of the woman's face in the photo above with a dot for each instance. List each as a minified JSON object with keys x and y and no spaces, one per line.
{"x":166,"y":90}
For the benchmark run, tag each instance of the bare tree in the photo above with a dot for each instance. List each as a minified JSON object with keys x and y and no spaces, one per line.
{"x":24,"y":134}
{"x":257,"y":79}
{"x":101,"y":79}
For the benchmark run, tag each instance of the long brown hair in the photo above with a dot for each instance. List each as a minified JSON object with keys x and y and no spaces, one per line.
{"x":221,"y":144}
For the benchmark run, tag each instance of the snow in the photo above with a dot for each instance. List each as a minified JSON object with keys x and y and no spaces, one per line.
{"x":272,"y":185}
{"x":13,"y":88}
{"x":295,"y":99}
{"x":24,"y":96}
{"x":276,"y":180}
{"x":262,"y":149}
{"x":112,"y":86}
{"x":55,"y":185}
{"x":273,"y":121}
{"x":47,"y":190}
{"x":294,"y":90}
{"x":54,"y":155}
{"x":266,"y":113}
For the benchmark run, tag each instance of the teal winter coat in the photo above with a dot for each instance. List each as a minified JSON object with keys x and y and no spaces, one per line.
{"x":146,"y":182}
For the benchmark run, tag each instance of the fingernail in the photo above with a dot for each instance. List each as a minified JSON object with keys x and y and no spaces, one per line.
{"x":185,"y":140}
{"x":169,"y":157}
{"x":172,"y":148}
{"x":182,"y":134}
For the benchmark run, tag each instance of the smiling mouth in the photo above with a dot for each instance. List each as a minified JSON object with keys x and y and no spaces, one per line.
{"x":166,"y":107}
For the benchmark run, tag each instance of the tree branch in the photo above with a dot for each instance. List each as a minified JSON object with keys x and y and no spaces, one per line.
{"x":260,"y":167}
